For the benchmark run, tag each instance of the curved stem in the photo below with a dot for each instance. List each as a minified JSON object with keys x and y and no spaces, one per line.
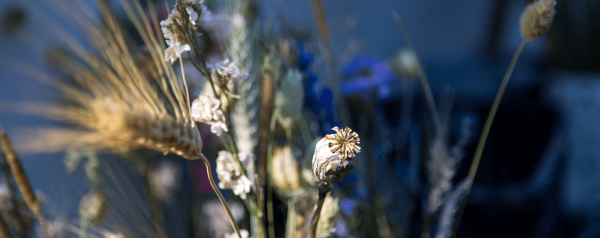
{"x":324,"y":189}
{"x":485,"y":132}
{"x":214,"y":186}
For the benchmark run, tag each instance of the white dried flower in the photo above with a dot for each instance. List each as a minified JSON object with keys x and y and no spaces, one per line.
{"x":334,"y":155}
{"x":205,"y":109}
{"x":193,"y":15}
{"x":244,"y":233}
{"x":194,"y":11}
{"x":227,"y":71}
{"x":170,"y":27}
{"x":174,"y":51}
{"x":230,"y":174}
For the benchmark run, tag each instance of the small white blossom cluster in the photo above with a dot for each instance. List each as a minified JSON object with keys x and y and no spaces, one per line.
{"x":205,"y":109}
{"x":244,"y":233}
{"x":171,"y":26}
{"x":226,"y":72}
{"x":230,"y":174}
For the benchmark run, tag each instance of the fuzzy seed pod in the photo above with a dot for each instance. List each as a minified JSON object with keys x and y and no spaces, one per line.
{"x":537,"y":19}
{"x":284,"y":170}
{"x":289,"y":98}
{"x":407,"y":64}
{"x":93,"y":207}
{"x":334,"y":155}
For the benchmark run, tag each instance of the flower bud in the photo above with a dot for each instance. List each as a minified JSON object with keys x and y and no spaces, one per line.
{"x":537,"y":19}
{"x":334,"y":155}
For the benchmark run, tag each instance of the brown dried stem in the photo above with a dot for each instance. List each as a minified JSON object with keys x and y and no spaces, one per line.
{"x":214,"y":186}
{"x":4,"y":231}
{"x":21,"y":178}
{"x":324,"y":189}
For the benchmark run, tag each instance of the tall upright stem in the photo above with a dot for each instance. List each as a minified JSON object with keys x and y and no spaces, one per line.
{"x":422,"y":76}
{"x":485,"y":132}
{"x":290,"y":230}
{"x":324,"y":189}
{"x":492,"y":113}
{"x":214,"y":186}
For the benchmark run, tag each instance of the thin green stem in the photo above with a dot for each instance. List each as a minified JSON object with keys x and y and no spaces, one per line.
{"x":492,"y":113}
{"x":290,"y":230}
{"x":270,"y":217}
{"x":485,"y":132}
{"x":422,"y":76}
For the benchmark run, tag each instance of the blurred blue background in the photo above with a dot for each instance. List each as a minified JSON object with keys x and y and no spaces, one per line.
{"x":539,"y":172}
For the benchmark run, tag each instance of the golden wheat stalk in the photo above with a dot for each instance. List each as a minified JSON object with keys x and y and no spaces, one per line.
{"x":21,"y":178}
{"x":4,"y":231}
{"x":116,"y":102}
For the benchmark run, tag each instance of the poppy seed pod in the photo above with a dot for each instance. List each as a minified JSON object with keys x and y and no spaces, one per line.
{"x":334,"y":155}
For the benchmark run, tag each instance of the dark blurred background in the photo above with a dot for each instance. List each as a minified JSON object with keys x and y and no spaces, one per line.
{"x":539,"y":171}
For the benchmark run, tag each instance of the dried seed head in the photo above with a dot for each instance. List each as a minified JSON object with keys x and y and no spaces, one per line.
{"x":344,"y":142}
{"x":334,"y":155}
{"x":93,"y":207}
{"x":537,"y":19}
{"x":406,"y":63}
{"x":284,"y":169}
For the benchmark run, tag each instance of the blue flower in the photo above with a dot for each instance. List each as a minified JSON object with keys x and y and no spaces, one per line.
{"x":364,"y":74}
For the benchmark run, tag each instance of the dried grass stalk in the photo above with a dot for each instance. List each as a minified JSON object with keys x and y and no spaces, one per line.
{"x":4,"y":231}
{"x":537,"y":19}
{"x":21,"y":179}
{"x":116,"y":104}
